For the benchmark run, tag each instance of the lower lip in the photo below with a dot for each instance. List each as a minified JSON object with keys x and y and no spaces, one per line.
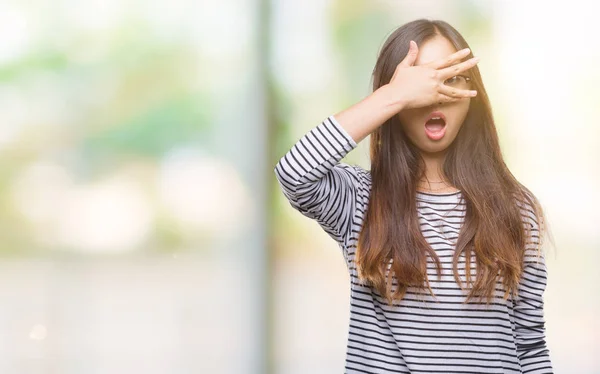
{"x":437,"y":135}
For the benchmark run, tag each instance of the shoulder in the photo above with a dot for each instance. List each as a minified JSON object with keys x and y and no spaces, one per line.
{"x":361,"y":176}
{"x":363,"y":173}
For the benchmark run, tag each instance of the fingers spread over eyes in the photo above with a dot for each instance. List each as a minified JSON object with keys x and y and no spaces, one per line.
{"x":450,"y":60}
{"x":455,"y":92}
{"x":458,"y":68}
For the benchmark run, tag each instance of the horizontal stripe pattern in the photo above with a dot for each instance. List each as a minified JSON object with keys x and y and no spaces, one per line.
{"x":421,"y":333}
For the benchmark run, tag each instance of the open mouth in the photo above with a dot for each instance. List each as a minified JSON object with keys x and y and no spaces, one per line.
{"x":435,"y":127}
{"x":435,"y":124}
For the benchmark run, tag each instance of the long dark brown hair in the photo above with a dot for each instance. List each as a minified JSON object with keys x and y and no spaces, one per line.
{"x":494,"y":229}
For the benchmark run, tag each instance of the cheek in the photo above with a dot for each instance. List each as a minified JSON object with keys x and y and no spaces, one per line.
{"x":409,"y":120}
{"x":410,"y":127}
{"x":459,"y":112}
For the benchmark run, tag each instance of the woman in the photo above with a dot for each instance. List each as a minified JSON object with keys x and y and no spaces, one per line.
{"x":438,"y":193}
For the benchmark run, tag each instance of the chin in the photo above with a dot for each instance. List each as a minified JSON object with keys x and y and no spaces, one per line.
{"x":433,"y":149}
{"x":433,"y":146}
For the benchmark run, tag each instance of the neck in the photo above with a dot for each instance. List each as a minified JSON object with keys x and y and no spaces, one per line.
{"x":434,"y":166}
{"x":434,"y":172}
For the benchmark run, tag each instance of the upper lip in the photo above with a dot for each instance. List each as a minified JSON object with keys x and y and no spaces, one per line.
{"x":436,"y":114}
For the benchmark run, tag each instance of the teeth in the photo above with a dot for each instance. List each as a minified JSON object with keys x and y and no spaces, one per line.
{"x":436,"y":118}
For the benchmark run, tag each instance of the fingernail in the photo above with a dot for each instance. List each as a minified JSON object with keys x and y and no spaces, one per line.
{"x":476,"y":59}
{"x":473,"y":93}
{"x":466,"y":50}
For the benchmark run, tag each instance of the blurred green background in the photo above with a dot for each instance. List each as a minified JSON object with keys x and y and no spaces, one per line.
{"x":142,"y":227}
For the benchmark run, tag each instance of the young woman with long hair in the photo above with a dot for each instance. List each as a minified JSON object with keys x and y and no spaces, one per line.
{"x":442,"y":243}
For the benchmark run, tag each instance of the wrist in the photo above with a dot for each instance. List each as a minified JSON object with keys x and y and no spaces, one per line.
{"x":388,"y":99}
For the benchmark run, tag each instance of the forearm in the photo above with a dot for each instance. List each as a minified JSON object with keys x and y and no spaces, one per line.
{"x":364,"y":117}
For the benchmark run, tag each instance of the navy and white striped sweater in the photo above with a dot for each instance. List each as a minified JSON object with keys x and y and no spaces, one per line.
{"x":420,"y":334}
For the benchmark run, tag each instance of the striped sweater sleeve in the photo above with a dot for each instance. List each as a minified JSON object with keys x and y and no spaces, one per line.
{"x":532,"y":351}
{"x":316,"y":183}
